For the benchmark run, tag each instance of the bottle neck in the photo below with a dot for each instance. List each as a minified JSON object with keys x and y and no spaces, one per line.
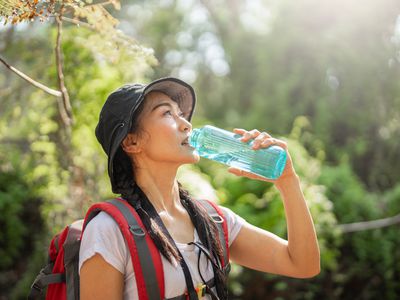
{"x":193,"y":137}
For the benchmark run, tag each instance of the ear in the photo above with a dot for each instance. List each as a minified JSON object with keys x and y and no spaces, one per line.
{"x":130,"y":144}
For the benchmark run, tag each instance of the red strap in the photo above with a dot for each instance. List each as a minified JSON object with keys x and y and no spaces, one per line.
{"x":54,"y":247}
{"x":224,"y":226}
{"x":155,"y":254}
{"x":123,"y":225}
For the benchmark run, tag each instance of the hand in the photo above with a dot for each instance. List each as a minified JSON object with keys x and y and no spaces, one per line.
{"x":263,"y":140}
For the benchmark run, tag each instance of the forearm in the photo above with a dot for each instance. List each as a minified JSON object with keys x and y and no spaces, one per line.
{"x":302,"y":239}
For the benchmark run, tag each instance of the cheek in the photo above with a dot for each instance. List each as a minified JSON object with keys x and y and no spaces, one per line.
{"x":162,"y":144}
{"x":162,"y":139}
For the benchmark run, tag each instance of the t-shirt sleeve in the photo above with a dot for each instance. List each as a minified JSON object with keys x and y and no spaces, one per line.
{"x":234,"y":221}
{"x":103,"y":236}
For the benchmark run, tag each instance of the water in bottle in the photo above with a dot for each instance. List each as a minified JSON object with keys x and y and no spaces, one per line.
{"x":225,"y":147}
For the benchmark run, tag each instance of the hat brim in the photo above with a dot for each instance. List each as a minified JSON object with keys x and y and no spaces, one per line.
{"x":178,"y":90}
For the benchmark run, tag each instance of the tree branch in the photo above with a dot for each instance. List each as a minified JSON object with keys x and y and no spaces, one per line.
{"x":78,"y":22}
{"x":31,"y":81}
{"x":71,"y":9}
{"x":361,"y":226}
{"x":64,"y":104}
{"x":102,"y":3}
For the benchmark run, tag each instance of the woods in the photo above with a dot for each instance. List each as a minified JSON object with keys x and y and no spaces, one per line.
{"x":324,"y":76}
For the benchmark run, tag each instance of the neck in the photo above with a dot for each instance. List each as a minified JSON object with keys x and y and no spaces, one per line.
{"x":160,"y":186}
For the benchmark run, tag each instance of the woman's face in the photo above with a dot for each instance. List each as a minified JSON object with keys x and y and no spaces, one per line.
{"x":164,"y":132}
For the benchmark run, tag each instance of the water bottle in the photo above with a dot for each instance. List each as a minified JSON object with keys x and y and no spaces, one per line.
{"x":225,"y":147}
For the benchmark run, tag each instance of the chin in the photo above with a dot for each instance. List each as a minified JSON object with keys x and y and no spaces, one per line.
{"x":192,"y":159}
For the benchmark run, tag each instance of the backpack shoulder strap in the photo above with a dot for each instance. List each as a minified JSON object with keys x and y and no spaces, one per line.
{"x":148,"y":268}
{"x":218,"y":216}
{"x":71,"y":259}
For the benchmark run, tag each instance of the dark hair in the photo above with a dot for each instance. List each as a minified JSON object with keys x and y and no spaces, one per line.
{"x":204,"y":224}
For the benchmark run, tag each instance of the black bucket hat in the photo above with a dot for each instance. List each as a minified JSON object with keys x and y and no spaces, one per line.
{"x":115,"y":119}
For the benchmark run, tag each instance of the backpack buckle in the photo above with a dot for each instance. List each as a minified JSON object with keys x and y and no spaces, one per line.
{"x":137,"y":231}
{"x":201,"y":290}
{"x":217,"y":219}
{"x":37,"y":287}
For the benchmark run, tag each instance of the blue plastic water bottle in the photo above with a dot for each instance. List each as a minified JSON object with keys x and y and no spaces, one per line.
{"x":225,"y":147}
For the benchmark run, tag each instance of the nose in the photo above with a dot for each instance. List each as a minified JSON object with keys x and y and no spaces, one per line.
{"x":185,"y":125}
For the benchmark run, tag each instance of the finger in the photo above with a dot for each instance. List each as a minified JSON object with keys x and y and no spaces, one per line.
{"x":250,"y":135}
{"x":240,"y":131}
{"x":259,"y":139}
{"x":250,"y":175}
{"x":272,"y":141}
{"x":268,"y":142}
{"x":235,"y":171}
{"x":238,"y":172}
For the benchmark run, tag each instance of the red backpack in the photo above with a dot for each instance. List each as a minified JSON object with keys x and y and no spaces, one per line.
{"x":61,"y":276}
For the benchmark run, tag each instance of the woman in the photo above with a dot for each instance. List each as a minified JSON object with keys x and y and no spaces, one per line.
{"x":144,"y":131}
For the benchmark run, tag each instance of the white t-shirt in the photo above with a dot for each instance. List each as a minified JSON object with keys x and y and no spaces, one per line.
{"x":103,"y":236}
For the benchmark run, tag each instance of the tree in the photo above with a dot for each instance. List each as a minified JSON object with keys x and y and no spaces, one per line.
{"x":96,"y":24}
{"x":46,"y":133}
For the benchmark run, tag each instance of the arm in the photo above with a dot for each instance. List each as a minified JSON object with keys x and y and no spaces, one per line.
{"x":261,"y":250}
{"x":99,"y":280}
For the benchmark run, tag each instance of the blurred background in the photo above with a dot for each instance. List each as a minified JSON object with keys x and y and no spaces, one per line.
{"x":323,"y":75}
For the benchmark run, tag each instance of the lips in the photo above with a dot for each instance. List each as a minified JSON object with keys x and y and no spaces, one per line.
{"x":185,"y":141}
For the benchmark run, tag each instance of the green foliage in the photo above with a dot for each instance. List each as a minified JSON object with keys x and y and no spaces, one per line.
{"x":20,"y":221}
{"x":31,"y":136}
{"x":352,"y":201}
{"x":33,"y":263}
{"x":369,"y":259}
{"x":12,"y":193}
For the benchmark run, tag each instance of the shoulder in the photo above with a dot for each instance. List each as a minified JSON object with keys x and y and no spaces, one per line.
{"x":102,"y":226}
{"x":233,"y":220}
{"x":102,"y":235}
{"x":228,"y":213}
{"x":101,"y":221}
{"x":103,"y":229}
{"x":234,"y":223}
